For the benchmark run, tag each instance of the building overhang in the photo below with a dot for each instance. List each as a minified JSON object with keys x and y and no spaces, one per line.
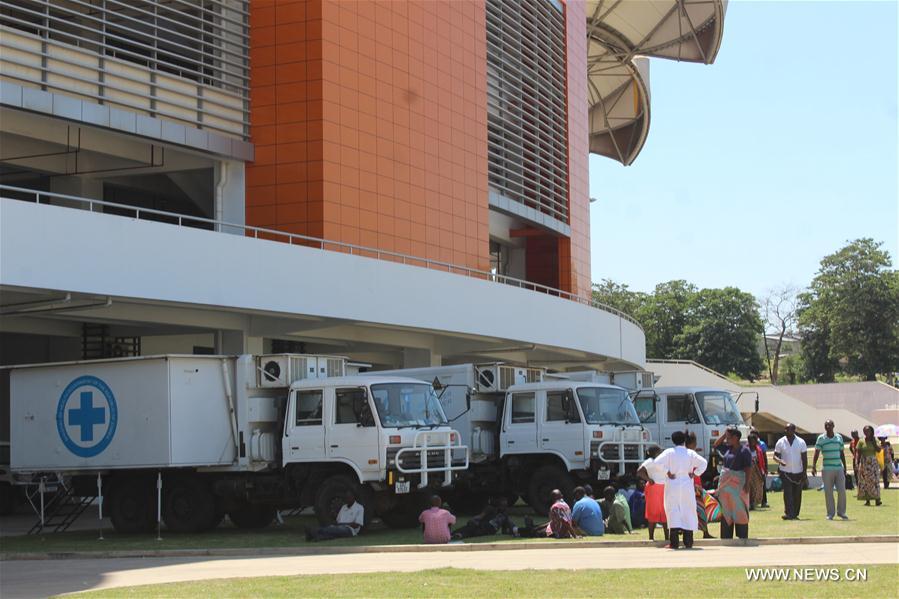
{"x":162,"y":275}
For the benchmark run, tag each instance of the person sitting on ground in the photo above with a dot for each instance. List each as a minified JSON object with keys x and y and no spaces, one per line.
{"x":350,"y":520}
{"x":618,"y":518}
{"x":654,"y":491}
{"x":489,"y":522}
{"x":436,"y":522}
{"x":587,"y":515}
{"x":560,"y":525}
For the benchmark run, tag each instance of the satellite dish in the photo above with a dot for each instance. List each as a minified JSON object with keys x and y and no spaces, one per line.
{"x":272,"y":371}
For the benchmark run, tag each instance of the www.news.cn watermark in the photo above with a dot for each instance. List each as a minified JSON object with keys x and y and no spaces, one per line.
{"x":806,"y":574}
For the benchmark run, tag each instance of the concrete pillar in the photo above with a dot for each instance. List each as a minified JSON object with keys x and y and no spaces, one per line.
{"x":414,"y":357}
{"x":75,"y":185}
{"x":232,"y":343}
{"x":230,"y":194}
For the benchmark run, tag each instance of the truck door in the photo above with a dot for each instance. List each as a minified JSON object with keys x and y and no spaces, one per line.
{"x":680,"y":415}
{"x":305,"y":438}
{"x":353,"y":436}
{"x":520,"y":423}
{"x":561,"y":430}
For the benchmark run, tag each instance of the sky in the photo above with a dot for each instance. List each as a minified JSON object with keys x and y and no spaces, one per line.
{"x":759,"y":165}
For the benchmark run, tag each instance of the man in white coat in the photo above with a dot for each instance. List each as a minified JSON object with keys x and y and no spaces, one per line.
{"x":681,"y":465}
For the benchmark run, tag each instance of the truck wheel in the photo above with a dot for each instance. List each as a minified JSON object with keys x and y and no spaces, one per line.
{"x":250,"y":515}
{"x":188,"y":505}
{"x":512,"y":499}
{"x":331,"y":494}
{"x":131,"y":506}
{"x":7,"y":499}
{"x":543,"y":481}
{"x":468,"y":503}
{"x":405,"y":513}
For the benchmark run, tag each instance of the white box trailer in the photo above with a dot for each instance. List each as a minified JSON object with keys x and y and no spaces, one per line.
{"x":153,"y":412}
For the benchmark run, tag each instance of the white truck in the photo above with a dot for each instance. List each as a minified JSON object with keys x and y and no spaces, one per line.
{"x":188,"y":439}
{"x":529,"y":432}
{"x":705,"y":411}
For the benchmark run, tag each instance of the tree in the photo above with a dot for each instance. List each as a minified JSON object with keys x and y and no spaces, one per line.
{"x":779,"y":313}
{"x":664,"y":314}
{"x":723,"y":332}
{"x":618,"y":296}
{"x":851,"y":310}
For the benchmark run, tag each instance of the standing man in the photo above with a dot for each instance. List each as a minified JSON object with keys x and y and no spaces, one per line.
{"x":789,"y":453}
{"x":680,"y":465}
{"x":833,"y":469}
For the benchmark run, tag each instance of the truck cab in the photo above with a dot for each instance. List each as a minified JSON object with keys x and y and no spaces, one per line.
{"x":387,"y":434}
{"x":705,"y":411}
{"x":564,"y":432}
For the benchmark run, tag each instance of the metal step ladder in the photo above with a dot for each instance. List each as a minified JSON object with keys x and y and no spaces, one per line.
{"x":60,"y":511}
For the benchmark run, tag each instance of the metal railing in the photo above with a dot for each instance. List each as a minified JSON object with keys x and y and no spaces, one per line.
{"x":186,"y":220}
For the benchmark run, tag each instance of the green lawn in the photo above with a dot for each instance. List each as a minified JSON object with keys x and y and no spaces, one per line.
{"x":883,"y":520}
{"x":451,"y":582}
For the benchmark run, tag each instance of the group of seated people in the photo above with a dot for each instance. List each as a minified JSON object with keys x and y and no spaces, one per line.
{"x":586,"y":517}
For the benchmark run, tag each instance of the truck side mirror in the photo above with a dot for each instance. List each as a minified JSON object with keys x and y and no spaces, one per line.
{"x":756,"y":405}
{"x":468,"y":400}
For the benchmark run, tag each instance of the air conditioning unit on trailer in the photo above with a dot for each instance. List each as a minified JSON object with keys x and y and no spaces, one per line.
{"x":499,"y":377}
{"x":280,"y":370}
{"x":634,"y":380}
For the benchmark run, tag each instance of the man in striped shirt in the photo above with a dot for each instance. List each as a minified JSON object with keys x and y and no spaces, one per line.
{"x":833,"y":469}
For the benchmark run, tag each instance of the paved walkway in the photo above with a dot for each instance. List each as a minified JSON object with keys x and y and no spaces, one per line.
{"x":43,"y":578}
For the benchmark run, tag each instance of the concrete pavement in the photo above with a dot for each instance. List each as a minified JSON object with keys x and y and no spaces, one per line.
{"x":43,"y":578}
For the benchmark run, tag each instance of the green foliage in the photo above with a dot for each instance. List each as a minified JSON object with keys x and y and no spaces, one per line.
{"x":850,"y":314}
{"x":664,"y":314}
{"x":618,"y":296}
{"x":718,"y":328}
{"x":722,"y":332}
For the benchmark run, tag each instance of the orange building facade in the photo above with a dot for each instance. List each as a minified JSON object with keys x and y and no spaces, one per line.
{"x":370,"y":124}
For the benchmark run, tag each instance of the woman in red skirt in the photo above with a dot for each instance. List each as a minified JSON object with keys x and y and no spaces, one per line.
{"x":655,"y":493}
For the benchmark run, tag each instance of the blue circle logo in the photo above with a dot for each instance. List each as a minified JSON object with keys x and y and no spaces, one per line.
{"x":86,"y":416}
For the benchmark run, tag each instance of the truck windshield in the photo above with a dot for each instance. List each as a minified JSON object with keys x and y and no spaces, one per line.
{"x":602,"y":405}
{"x":718,"y":407}
{"x":407,"y":404}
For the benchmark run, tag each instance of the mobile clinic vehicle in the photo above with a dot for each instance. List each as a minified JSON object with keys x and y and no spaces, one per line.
{"x":216,"y":435}
{"x":705,"y":411}
{"x":529,"y":433}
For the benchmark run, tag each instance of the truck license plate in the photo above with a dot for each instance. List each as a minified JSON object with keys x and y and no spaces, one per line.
{"x":402,"y":486}
{"x":603,"y":475}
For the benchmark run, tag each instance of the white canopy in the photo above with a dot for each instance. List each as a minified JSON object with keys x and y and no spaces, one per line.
{"x":618,"y":93}
{"x":621,"y":34}
{"x":688,"y":30}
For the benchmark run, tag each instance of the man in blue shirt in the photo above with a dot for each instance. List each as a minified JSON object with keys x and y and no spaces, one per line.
{"x":586,"y":514}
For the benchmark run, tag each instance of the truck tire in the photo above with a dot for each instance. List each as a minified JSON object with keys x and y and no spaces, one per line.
{"x":544,"y":479}
{"x":7,"y":499}
{"x":188,"y":505}
{"x":250,"y":516}
{"x":331,"y":494}
{"x":468,"y":503}
{"x":405,"y":513}
{"x":131,"y":505}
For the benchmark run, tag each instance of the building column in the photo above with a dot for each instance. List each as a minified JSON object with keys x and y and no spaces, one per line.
{"x":414,"y":357}
{"x":230,"y":194}
{"x":233,"y":343}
